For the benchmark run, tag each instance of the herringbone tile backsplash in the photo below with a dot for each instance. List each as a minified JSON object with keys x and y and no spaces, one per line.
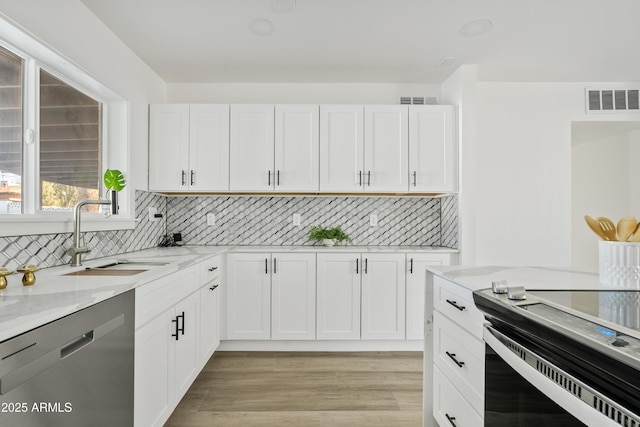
{"x":253,"y":220}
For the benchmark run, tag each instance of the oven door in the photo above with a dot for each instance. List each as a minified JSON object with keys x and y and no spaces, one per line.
{"x":522,"y":389}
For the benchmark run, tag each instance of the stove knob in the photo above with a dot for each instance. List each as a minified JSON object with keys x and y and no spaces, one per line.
{"x":499,"y":287}
{"x":517,"y":293}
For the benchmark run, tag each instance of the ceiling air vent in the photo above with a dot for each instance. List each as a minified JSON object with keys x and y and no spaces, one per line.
{"x":612,"y":100}
{"x":418,"y":100}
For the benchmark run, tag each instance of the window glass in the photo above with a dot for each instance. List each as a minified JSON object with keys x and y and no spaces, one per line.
{"x":70,"y":145}
{"x":10,"y":133}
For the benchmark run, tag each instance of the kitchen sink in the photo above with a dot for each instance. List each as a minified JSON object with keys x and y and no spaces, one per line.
{"x":118,"y":268}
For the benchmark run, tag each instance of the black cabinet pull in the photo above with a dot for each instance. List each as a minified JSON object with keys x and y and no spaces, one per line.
{"x":357,"y":266}
{"x":182,"y":328}
{"x":269,"y":179}
{"x":213,"y":268}
{"x":452,"y":356}
{"x":360,"y":178}
{"x":451,"y":420}
{"x":193,"y":177}
{"x":455,"y":304}
{"x":415,"y":179}
{"x":177,"y":328}
{"x":366,"y":266}
{"x":369,"y":178}
{"x":411,"y":266}
{"x":274,"y":266}
{"x":184,"y":177}
{"x":213,"y":288}
{"x":266,"y":266}
{"x":278,"y":177}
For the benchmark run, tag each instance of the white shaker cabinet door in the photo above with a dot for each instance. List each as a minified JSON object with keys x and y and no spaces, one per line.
{"x":209,"y":319}
{"x":338,"y":296}
{"x":341,"y":148}
{"x":293,"y":296}
{"x":383,"y":296}
{"x":251,"y":148}
{"x":386,"y":148}
{"x":168,"y":147}
{"x":186,"y":364}
{"x":208,"y":147}
{"x":417,"y":264}
{"x":433,"y":154}
{"x":248,"y":296}
{"x":296,"y":148}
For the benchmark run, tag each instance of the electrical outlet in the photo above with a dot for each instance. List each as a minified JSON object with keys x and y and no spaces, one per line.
{"x":152,"y":213}
{"x":296,"y":220}
{"x":211,"y":219}
{"x":373,"y":220}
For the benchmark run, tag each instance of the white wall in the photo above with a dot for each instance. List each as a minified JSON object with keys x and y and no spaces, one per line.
{"x":524,"y":205}
{"x":294,"y":93}
{"x":69,"y":28}
{"x":606,"y":180}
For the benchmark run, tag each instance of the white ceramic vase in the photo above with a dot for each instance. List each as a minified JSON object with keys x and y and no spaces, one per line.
{"x":328,"y":242}
{"x":619,"y":264}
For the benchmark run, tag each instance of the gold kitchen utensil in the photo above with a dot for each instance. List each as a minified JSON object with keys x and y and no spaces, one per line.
{"x":636,"y":234}
{"x":595,"y":226}
{"x":29,"y":277}
{"x":626,"y":227}
{"x":608,"y":227}
{"x":3,"y":277}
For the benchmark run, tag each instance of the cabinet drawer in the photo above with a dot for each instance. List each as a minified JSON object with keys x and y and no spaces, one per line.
{"x":449,"y":407}
{"x":456,"y":303}
{"x":452,"y":344}
{"x":210,"y":269}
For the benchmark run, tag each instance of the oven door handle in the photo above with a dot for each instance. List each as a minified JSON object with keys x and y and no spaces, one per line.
{"x":576,"y":407}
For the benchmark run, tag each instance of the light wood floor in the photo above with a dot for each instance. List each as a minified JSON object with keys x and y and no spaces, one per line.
{"x":260,"y":389}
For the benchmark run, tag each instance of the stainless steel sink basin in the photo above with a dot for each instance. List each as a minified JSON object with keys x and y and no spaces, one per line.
{"x":118,"y":268}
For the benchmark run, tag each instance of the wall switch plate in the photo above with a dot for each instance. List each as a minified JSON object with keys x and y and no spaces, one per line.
{"x":373,"y":220}
{"x":296,"y":219}
{"x":152,"y":213}
{"x":211,"y":219}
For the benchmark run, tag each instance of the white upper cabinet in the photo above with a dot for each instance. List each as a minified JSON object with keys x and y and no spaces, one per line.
{"x":363,"y":148}
{"x":386,"y":148}
{"x":341,"y":148}
{"x":168,"y":147}
{"x":188,"y":147}
{"x":296,"y":148}
{"x":252,"y":148}
{"x":274,"y":148}
{"x":433,"y":154}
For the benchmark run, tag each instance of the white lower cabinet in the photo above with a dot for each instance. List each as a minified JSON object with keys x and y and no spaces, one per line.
{"x":271,"y":296}
{"x":176,"y":329}
{"x":210,"y":309}
{"x":361,"y":296}
{"x":458,"y":356}
{"x":417,"y":264}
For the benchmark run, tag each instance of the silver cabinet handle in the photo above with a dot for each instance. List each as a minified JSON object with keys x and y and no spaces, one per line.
{"x":415,"y":178}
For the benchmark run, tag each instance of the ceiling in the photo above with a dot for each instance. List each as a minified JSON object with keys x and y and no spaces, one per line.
{"x":377,"y":41}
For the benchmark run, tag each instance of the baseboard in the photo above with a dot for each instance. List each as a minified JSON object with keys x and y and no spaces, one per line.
{"x":238,"y":345}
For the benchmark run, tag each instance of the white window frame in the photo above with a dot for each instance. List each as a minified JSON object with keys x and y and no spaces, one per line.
{"x":115,"y":139}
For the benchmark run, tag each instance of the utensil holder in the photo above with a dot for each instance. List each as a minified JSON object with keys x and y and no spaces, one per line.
{"x":619,"y":264}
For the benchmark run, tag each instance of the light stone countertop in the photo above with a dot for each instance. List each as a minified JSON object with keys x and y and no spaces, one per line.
{"x":480,"y":277}
{"x":55,"y":295}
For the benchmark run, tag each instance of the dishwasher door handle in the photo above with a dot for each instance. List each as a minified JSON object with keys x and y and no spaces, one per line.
{"x":25,"y":372}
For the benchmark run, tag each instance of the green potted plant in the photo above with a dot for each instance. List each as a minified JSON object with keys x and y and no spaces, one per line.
{"x":328,"y":236}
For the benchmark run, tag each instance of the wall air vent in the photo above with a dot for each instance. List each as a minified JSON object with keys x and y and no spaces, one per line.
{"x":612,"y":100}
{"x":418,"y":100}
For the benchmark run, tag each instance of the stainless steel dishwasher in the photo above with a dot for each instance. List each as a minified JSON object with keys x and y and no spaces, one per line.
{"x":74,"y":371}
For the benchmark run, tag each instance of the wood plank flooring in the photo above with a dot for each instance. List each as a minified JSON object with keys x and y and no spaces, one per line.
{"x":264,"y":389}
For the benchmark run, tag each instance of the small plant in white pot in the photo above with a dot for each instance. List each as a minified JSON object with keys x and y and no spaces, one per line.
{"x":328,"y":236}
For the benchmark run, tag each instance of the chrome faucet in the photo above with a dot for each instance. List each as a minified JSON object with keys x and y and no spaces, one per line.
{"x":76,"y":250}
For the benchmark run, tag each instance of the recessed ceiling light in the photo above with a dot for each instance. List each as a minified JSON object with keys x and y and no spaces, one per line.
{"x":262,"y":27}
{"x":476,"y":28}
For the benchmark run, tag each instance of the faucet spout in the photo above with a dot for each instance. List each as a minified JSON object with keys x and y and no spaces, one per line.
{"x":76,"y":250}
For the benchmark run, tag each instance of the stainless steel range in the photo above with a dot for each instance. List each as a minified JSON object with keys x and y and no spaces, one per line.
{"x":561,"y":357}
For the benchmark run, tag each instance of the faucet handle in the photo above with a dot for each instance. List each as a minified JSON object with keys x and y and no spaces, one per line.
{"x":72,"y":251}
